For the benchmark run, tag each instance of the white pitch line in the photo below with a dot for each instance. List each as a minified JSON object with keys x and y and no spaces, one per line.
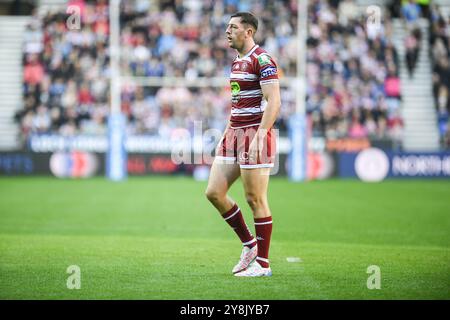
{"x":294,"y":259}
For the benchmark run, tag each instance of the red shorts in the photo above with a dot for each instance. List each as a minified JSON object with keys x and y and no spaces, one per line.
{"x":235,"y":144}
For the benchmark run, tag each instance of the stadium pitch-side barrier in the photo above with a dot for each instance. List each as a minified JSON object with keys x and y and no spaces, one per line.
{"x":82,"y":157}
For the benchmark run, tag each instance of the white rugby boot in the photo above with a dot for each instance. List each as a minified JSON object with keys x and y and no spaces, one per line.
{"x":248,"y":255}
{"x":255,"y":270}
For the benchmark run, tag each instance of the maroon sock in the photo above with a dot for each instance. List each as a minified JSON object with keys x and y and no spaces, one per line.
{"x":263,"y":228}
{"x":235,"y":219}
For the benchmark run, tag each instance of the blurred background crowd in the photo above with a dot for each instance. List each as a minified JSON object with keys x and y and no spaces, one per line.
{"x":353,"y":85}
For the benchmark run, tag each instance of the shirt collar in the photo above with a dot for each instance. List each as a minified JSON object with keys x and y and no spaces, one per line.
{"x":248,"y":53}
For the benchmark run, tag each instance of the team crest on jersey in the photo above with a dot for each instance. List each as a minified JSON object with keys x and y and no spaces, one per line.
{"x":263,"y":59}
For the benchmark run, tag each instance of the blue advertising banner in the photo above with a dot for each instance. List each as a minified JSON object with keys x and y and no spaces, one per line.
{"x":16,"y":163}
{"x":375,"y":165}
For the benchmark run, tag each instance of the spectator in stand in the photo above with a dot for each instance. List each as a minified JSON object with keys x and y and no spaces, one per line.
{"x":33,"y":71}
{"x":412,"y":45}
{"x":442,"y":83}
{"x":424,"y":7}
{"x":446,"y":138}
{"x":411,"y":11}
{"x":357,"y":129}
{"x":392,"y":92}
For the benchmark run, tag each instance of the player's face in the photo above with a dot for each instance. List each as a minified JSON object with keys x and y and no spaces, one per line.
{"x":236,"y":33}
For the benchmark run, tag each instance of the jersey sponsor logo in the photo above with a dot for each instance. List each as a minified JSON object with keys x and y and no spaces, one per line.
{"x":235,"y":90}
{"x":263,"y":59}
{"x":269,"y":71}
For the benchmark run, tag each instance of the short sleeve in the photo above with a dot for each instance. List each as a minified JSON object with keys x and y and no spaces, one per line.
{"x":267,"y":69}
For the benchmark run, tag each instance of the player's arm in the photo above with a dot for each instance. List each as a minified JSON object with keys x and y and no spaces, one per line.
{"x":271,"y":93}
{"x":270,"y":87}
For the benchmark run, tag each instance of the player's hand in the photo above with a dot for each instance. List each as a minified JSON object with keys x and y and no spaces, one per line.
{"x":219,"y":146}
{"x":255,"y":149}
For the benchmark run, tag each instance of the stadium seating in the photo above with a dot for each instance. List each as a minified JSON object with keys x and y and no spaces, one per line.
{"x":352,"y":73}
{"x":440,"y":55}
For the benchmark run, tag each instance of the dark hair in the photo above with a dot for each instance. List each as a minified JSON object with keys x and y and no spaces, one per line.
{"x":247,"y":18}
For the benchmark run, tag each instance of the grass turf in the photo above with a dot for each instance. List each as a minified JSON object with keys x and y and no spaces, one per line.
{"x":158,"y":238}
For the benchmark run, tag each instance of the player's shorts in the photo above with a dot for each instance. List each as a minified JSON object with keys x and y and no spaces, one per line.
{"x":235,"y":144}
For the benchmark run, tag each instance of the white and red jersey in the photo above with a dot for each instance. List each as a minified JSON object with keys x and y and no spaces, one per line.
{"x":247,"y":75}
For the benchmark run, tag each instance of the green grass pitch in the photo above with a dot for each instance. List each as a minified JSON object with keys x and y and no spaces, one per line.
{"x":159,"y":238}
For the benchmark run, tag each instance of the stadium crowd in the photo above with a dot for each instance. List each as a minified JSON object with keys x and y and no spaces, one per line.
{"x":352,"y":74}
{"x":352,"y":68}
{"x":439,"y":30}
{"x":440,"y":55}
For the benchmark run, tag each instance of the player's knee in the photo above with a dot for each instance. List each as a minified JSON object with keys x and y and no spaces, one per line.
{"x":213,"y":195}
{"x":255,"y":201}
